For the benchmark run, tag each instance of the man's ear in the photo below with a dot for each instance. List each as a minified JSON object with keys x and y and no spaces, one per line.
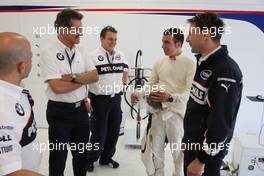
{"x":21,"y":67}
{"x":178,"y":45}
{"x":206,"y":36}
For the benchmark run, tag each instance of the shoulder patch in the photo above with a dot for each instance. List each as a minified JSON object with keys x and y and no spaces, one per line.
{"x":19,"y":109}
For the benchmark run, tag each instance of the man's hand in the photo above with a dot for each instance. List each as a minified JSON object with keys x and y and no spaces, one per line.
{"x":67,"y":77}
{"x":183,"y":147}
{"x":159,"y":96}
{"x":88,"y":105}
{"x":134,"y":98}
{"x":195,"y":168}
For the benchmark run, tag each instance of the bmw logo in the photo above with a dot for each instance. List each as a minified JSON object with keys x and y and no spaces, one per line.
{"x":118,"y":57}
{"x":100,"y":58}
{"x":60,"y":56}
{"x":19,"y":109}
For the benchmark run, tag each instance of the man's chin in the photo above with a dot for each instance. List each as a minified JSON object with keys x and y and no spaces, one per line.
{"x":166,"y":53}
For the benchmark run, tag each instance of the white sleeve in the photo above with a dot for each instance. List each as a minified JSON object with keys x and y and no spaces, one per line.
{"x":10,"y":149}
{"x":89,"y":62}
{"x":48,"y":66}
{"x":126,"y":67}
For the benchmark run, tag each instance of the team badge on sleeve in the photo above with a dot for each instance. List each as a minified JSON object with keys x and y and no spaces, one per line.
{"x":60,"y":56}
{"x":19,"y":109}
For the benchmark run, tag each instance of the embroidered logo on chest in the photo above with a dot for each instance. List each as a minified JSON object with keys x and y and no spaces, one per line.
{"x":100,"y":58}
{"x":60,"y":56}
{"x":205,"y":74}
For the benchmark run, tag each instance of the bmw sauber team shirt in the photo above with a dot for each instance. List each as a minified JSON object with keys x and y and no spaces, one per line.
{"x":17,"y":130}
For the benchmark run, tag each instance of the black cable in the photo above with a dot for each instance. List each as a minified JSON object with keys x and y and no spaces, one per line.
{"x":139,"y":52}
{"x":130,"y":105}
{"x":139,"y":82}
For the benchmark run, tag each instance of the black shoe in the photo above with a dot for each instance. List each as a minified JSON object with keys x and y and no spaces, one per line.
{"x":90,"y":167}
{"x":111,"y":163}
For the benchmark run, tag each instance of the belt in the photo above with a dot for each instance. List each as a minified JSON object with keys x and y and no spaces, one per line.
{"x":110,"y":96}
{"x":67,"y":105}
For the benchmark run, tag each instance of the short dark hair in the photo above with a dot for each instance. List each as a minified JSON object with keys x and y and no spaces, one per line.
{"x":106,"y":29}
{"x":211,"y":21}
{"x":65,"y":16}
{"x":176,"y":33}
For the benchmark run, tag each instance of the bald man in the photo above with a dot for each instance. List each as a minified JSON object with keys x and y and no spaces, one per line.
{"x":18,"y":156}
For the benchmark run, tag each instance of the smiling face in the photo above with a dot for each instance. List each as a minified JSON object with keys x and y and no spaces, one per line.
{"x":109,"y":41}
{"x":75,"y":31}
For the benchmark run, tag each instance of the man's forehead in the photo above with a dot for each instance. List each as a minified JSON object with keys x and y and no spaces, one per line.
{"x":167,"y":37}
{"x":110,"y":34}
{"x":76,"y":22}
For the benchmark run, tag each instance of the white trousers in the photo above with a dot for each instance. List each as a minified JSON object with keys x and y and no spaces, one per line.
{"x":172,"y":128}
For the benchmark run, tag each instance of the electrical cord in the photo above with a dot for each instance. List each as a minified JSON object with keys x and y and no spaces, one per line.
{"x":140,"y":81}
{"x":132,"y":108}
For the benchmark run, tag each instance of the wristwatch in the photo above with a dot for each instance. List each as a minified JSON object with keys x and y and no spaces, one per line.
{"x":170,"y":99}
{"x":73,"y":77}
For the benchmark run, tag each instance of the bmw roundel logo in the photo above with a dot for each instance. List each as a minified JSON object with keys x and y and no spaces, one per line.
{"x":60,"y":56}
{"x":100,"y":58}
{"x":19,"y":109}
{"x":118,"y":57}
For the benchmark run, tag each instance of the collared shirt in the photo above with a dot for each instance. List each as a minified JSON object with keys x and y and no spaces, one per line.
{"x":17,"y":131}
{"x":204,"y":58}
{"x":54,"y":63}
{"x":110,"y":69}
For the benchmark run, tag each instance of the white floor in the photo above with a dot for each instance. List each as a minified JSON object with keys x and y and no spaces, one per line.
{"x":128,"y":158}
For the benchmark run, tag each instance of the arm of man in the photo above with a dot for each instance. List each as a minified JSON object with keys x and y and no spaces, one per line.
{"x":90,"y":75}
{"x":59,"y":86}
{"x":51,"y":75}
{"x":177,"y":97}
{"x":147,"y":89}
{"x":87,"y":77}
{"x":125,"y":77}
{"x":154,"y":78}
{"x":125,"y":72}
